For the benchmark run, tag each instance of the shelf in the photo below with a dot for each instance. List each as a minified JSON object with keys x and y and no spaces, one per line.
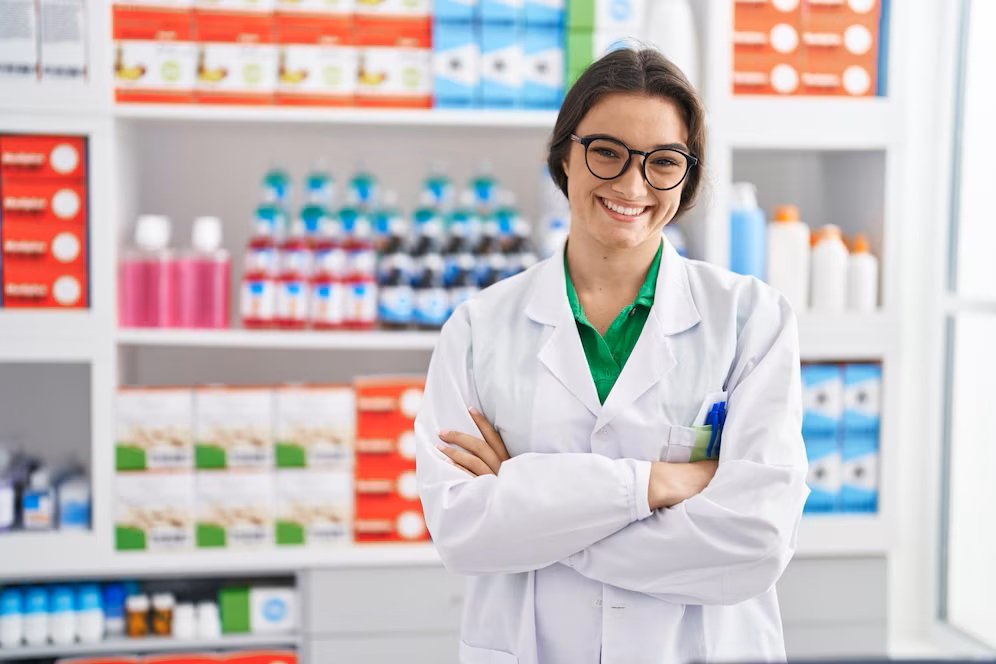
{"x":151,"y":645}
{"x":279,"y":339}
{"x":808,"y":123}
{"x":445,"y":118}
{"x":847,"y":337}
{"x":842,"y":535}
{"x":50,"y":335}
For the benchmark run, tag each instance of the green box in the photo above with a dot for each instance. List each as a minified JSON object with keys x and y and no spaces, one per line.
{"x":580,"y":14}
{"x":233,"y":603}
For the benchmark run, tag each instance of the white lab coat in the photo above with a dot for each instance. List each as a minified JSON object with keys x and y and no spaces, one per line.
{"x":565,"y":529}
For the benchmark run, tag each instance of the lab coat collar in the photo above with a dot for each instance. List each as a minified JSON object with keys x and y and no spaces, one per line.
{"x":673,"y":312}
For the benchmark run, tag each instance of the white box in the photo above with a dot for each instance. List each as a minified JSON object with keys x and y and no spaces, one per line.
{"x":154,"y":429}
{"x":19,"y":40}
{"x":234,"y":509}
{"x":317,"y":70}
{"x":233,"y":428}
{"x":154,"y":511}
{"x":316,"y":426}
{"x":62,"y":39}
{"x":239,"y":69}
{"x":314,"y":507}
{"x":396,"y":72}
{"x":272,"y":610}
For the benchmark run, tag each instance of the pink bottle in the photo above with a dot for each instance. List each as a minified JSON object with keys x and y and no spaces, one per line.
{"x":147,"y":278}
{"x":204,"y":278}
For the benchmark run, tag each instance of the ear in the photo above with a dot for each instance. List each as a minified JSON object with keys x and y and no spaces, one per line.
{"x":564,"y":165}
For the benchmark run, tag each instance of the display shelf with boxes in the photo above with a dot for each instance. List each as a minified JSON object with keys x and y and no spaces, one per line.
{"x":148,"y":646}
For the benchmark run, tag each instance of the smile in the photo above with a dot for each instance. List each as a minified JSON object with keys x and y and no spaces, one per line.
{"x":621,"y":209}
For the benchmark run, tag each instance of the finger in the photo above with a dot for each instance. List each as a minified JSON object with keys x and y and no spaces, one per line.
{"x":490,"y":434}
{"x":466,"y":460}
{"x":474,"y":445}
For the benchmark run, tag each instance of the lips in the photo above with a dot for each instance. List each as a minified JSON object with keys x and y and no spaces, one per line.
{"x":622,"y":210}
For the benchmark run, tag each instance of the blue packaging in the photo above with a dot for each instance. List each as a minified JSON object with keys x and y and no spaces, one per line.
{"x":859,"y":468}
{"x":454,"y":10}
{"x":11,"y":602}
{"x":824,"y":477}
{"x":35,"y":600}
{"x":501,"y":11}
{"x":456,"y":63}
{"x":544,"y":12}
{"x":543,"y":84}
{"x":501,"y":65}
{"x":822,"y":402}
{"x":862,"y":400}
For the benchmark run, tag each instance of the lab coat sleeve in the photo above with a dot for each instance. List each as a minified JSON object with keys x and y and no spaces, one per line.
{"x":539,"y":509}
{"x":733,"y":540}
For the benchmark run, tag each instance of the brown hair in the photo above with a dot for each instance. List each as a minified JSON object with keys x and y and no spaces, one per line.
{"x":631,"y":71}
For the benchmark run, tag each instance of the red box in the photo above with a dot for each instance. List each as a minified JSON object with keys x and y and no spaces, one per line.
{"x":230,"y":44}
{"x":389,"y":521}
{"x":193,"y":658}
{"x":261,"y":657}
{"x":43,"y":201}
{"x":309,"y":44}
{"x":840,"y":47}
{"x":766,"y":48}
{"x":43,"y":156}
{"x":155,"y":55}
{"x":389,"y":394}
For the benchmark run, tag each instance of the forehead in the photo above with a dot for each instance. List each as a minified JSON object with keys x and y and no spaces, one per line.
{"x":636,"y":119}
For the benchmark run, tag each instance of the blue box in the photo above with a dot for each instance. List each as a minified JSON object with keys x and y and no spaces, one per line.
{"x":544,"y":12}
{"x":454,"y":10}
{"x":862,"y":400}
{"x":501,"y":65}
{"x":822,"y":401}
{"x":824,"y":477}
{"x":501,"y":11}
{"x":543,"y":86}
{"x":859,"y":468}
{"x":456,"y":64}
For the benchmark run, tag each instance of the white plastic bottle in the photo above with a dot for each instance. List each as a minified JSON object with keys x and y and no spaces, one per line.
{"x":671,"y":27}
{"x":788,"y":256}
{"x":36,"y":615}
{"x":62,"y":615}
{"x":862,"y":276}
{"x":829,"y":271}
{"x":11,"y":617}
{"x":89,"y":613}
{"x":74,"y":503}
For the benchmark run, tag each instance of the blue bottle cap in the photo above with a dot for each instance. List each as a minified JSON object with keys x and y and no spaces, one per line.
{"x":36,"y":600}
{"x":62,"y":599}
{"x":114,"y":599}
{"x":11,"y":602}
{"x":88,"y":597}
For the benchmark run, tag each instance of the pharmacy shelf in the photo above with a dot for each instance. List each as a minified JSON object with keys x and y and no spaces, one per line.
{"x":842,"y":535}
{"x":50,"y":335}
{"x":845,"y":337}
{"x":152,"y":644}
{"x":815,"y":123}
{"x":444,"y":118}
{"x":279,"y":339}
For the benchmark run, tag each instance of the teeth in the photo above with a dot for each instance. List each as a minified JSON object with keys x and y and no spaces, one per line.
{"x":631,"y":212}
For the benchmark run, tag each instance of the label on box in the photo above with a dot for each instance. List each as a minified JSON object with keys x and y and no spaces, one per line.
{"x":62,"y":40}
{"x":18,"y":40}
{"x":153,"y":511}
{"x":234,"y":509}
{"x":43,"y":156}
{"x":235,"y":6}
{"x":394,"y":9}
{"x":44,"y":265}
{"x":373,"y":524}
{"x":237,"y":61}
{"x":313,"y":507}
{"x":319,"y":74}
{"x":767,"y":54}
{"x":391,"y":76}
{"x":234,"y":428}
{"x":456,"y":64}
{"x":40,"y":201}
{"x":315,"y":426}
{"x":154,"y":429}
{"x":544,"y":68}
{"x":502,"y":65}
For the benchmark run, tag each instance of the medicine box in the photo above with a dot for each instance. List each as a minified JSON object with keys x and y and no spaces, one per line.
{"x":824,"y":476}
{"x":237,"y":60}
{"x":234,"y":509}
{"x":544,"y":67}
{"x":767,"y":49}
{"x":862,"y":400}
{"x":313,"y":507}
{"x":154,"y":429}
{"x":822,"y":402}
{"x":456,"y":65}
{"x":502,"y":65}
{"x":840,"y":43}
{"x":317,"y":64}
{"x":43,"y":157}
{"x":454,"y":11}
{"x":155,"y":54}
{"x":545,"y":12}
{"x":859,"y":492}
{"x":315,"y":426}
{"x":233,"y":428}
{"x":501,"y":11}
{"x":153,"y":511}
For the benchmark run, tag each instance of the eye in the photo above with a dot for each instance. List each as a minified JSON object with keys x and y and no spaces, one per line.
{"x":604,"y":152}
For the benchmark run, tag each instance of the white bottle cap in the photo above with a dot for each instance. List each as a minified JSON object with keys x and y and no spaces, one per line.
{"x":40,"y":479}
{"x":163,"y":601}
{"x":152,"y":232}
{"x":206,"y":235}
{"x":137,"y":603}
{"x":744,"y":195}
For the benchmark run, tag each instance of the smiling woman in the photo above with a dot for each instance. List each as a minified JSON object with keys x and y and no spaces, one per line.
{"x":610,"y":441}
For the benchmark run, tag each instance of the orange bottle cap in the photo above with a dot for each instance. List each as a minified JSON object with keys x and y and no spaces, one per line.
{"x":786,"y":213}
{"x":860,"y":244}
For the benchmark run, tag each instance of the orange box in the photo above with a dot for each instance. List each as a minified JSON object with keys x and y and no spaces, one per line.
{"x":43,"y":282}
{"x":261,"y":657}
{"x":43,"y":156}
{"x":766,"y":47}
{"x":61,"y":246}
{"x":155,"y":54}
{"x":388,"y":466}
{"x":840,"y":47}
{"x":395,"y":65}
{"x":43,"y":201}
{"x":389,"y":521}
{"x":192,"y":658}
{"x":390,"y":442}
{"x":318,"y":63}
{"x":389,"y":394}
{"x":237,"y":61}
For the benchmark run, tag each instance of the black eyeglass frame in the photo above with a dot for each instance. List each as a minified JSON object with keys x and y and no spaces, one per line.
{"x":585,"y":141}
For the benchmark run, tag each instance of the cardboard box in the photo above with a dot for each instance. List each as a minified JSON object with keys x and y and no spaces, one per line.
{"x":386,"y":440}
{"x":313,"y":507}
{"x":398,"y":396}
{"x":395,"y":67}
{"x":318,"y":64}
{"x":822,"y":402}
{"x":545,"y":12}
{"x":316,"y":426}
{"x":767,"y":52}
{"x":233,"y":428}
{"x":824,"y":477}
{"x":394,"y":10}
{"x":155,"y":55}
{"x":618,"y":16}
{"x":501,"y":11}
{"x":231,"y":7}
{"x":840,"y":47}
{"x":237,"y":60}
{"x":154,"y":511}
{"x":323,"y":9}
{"x":19,"y":45}
{"x":155,"y":429}
{"x":62,"y":40}
{"x":40,"y":201}
{"x":385,"y":523}
{"x":43,"y":157}
{"x":859,"y":490}
{"x":261,"y":657}
{"x":502,"y":65}
{"x":456,"y":64}
{"x":234,"y":509}
{"x":862,"y":400}
{"x":463,"y":11}
{"x":543,"y":87}
{"x":44,"y":265}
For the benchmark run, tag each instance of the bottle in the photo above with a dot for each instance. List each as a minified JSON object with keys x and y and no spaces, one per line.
{"x":38,"y":502}
{"x":555,"y":234}
{"x":386,"y":217}
{"x":270,"y":220}
{"x":671,"y":27}
{"x":555,"y":218}
{"x":489,"y":241}
{"x":147,"y":277}
{"x":432,"y":306}
{"x":506,"y":214}
{"x":89,"y":613}
{"x":490,"y":269}
{"x":395,"y":295}
{"x":184,"y":622}
{"x":426,"y":212}
{"x":829,"y":271}
{"x":748,"y":235}
{"x":328,"y":285}
{"x":520,"y":255}
{"x":438,"y":185}
{"x":362,"y":188}
{"x":137,"y":616}
{"x":204,"y":278}
{"x":36,"y":616}
{"x":789,"y":255}
{"x":276,"y":186}
{"x":463,"y":285}
{"x":74,"y":503}
{"x":294,"y":281}
{"x":113,"y":600}
{"x":319,"y":186}
{"x":208,"y":621}
{"x":62,"y":615}
{"x":8,"y":492}
{"x":457,"y":244}
{"x":862,"y":276}
{"x":484,"y":185}
{"x":361,"y":282}
{"x":11,"y":618}
{"x":162,"y":613}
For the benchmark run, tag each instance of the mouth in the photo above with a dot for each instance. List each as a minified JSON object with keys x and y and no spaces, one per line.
{"x":622,"y":212}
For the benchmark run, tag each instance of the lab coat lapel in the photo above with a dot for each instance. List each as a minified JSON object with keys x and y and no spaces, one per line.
{"x":561,"y":352}
{"x":652,"y":358}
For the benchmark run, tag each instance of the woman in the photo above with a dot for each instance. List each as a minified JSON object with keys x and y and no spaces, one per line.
{"x":563,"y":460}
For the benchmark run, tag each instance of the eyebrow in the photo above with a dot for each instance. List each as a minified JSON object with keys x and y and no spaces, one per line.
{"x":665,"y":146}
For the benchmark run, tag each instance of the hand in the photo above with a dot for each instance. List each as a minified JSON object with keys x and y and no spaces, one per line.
{"x":476,"y":456}
{"x":671,"y":483}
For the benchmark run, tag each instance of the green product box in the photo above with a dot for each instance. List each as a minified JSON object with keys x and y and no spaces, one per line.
{"x":233,"y":428}
{"x":154,"y":429}
{"x":233,"y":604}
{"x":580,"y":14}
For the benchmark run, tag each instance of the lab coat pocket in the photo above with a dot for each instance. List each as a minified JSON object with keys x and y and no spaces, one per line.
{"x":686,"y":444}
{"x":472,"y":655}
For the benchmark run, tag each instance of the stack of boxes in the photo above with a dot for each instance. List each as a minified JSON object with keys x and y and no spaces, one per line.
{"x":841,"y":424}
{"x":595,"y":27}
{"x":809,"y":47}
{"x":318,"y":63}
{"x":43,"y":221}
{"x":395,"y":44}
{"x":387,"y":504}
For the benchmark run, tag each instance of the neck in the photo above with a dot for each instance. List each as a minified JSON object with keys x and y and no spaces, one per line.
{"x":595,"y":269}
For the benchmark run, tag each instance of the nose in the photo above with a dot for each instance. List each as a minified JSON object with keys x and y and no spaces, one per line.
{"x":630,"y":184}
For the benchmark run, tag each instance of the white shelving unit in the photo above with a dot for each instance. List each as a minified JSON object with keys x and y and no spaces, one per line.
{"x":151,"y":645}
{"x":304,"y":340}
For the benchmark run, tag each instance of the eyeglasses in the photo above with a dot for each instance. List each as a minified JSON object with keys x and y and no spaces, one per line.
{"x":607,"y":158}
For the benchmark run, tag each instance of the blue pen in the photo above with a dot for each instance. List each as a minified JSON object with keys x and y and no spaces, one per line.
{"x":722,"y":423}
{"x":712,"y":419}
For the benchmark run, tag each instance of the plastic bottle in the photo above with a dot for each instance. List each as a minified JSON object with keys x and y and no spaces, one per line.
{"x":386,"y":217}
{"x":62,"y":615}
{"x":319,"y":186}
{"x":36,"y":616}
{"x":829,"y":271}
{"x":361,"y":283}
{"x":74,"y":503}
{"x":270,"y":220}
{"x":506,"y":214}
{"x":258,"y":294}
{"x":432,"y":303}
{"x":184,"y":622}
{"x":276,"y":186}
{"x":463,"y":284}
{"x":789,"y":256}
{"x":362,"y":188}
{"x":490,"y":269}
{"x":204,"y":278}
{"x":438,"y":185}
{"x":11,"y":618}
{"x":113,"y":600}
{"x":147,"y":277}
{"x":208,"y":621}
{"x":862,"y":276}
{"x":294,"y":281}
{"x":748,"y":235}
{"x":328,"y":285}
{"x":162,"y":613}
{"x":38,"y":502}
{"x":89,"y":613}
{"x":137,"y":616}
{"x":671,"y":27}
{"x":395,"y":295}
{"x":485,"y":186}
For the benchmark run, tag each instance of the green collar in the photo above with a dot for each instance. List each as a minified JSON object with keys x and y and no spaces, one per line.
{"x":645,"y":297}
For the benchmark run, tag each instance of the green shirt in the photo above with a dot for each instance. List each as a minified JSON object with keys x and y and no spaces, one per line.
{"x":607,"y":355}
